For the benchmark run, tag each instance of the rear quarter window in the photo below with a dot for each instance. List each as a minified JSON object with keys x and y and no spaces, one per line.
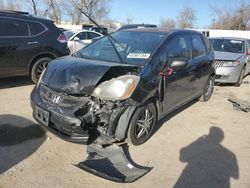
{"x":13,"y":27}
{"x":36,"y":28}
{"x":199,"y":48}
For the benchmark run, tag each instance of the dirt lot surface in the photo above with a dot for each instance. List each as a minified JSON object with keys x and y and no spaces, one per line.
{"x":201,"y":145}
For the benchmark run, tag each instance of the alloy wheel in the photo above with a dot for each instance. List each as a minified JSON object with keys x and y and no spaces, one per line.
{"x":144,"y":124}
{"x":209,"y":87}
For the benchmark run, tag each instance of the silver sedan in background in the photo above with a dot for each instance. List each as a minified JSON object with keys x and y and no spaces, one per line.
{"x":232,"y":59}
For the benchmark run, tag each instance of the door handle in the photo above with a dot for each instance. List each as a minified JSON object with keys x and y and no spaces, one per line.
{"x":33,"y":42}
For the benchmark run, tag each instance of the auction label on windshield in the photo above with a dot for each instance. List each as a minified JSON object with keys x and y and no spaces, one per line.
{"x":138,"y":55}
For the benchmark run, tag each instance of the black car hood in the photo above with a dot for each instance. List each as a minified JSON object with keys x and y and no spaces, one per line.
{"x":78,"y":76}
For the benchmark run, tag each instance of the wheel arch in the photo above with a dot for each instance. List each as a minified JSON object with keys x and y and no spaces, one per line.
{"x":39,"y":56}
{"x":125,"y":118}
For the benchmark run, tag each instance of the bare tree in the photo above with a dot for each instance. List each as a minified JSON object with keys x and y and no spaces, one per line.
{"x":53,"y":10}
{"x":235,"y":19}
{"x":130,"y":20}
{"x":34,"y":6}
{"x":96,"y":9}
{"x":186,"y":18}
{"x":168,"y":23}
{"x":11,"y":5}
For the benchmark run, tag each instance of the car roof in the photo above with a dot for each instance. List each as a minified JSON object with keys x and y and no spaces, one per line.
{"x":166,"y":31}
{"x":230,"y":38}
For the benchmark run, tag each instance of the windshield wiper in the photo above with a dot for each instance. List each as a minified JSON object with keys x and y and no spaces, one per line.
{"x":105,"y":32}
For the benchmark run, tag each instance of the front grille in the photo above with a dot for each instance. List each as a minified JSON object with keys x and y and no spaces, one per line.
{"x":61,"y":99}
{"x":219,"y":63}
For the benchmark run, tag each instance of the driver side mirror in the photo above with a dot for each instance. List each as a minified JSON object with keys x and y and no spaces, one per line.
{"x":76,"y":39}
{"x":178,"y":64}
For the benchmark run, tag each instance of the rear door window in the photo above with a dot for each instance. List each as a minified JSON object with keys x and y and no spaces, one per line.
{"x":13,"y":28}
{"x":36,"y":28}
{"x":199,"y":48}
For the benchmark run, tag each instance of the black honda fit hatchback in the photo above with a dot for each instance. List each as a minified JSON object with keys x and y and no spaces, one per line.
{"x":120,"y":85}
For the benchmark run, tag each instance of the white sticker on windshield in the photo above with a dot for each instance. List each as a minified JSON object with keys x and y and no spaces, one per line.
{"x":236,"y":41}
{"x":138,"y":55}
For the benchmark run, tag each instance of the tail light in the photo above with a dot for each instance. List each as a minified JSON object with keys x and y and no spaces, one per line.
{"x":62,"y":38}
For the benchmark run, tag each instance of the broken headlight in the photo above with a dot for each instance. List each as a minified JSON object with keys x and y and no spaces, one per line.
{"x":117,"y":88}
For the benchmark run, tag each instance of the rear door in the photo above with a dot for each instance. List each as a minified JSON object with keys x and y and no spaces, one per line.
{"x":178,"y":85}
{"x":201,"y":63}
{"x":13,"y":45}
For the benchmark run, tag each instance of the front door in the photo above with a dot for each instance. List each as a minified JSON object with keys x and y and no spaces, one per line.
{"x":179,"y":84}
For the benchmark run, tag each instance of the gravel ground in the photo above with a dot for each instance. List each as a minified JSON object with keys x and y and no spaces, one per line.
{"x":200,"y":145}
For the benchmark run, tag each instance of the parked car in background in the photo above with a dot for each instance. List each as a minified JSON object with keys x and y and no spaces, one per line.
{"x":121,"y":86}
{"x":103,"y":30}
{"x":79,"y":39}
{"x":232,"y":59}
{"x":28,"y":44}
{"x":131,"y":26}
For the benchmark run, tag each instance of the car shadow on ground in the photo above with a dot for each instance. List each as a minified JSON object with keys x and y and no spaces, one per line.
{"x":14,"y":82}
{"x":209,"y":163}
{"x":19,"y":138}
{"x":172,"y":114}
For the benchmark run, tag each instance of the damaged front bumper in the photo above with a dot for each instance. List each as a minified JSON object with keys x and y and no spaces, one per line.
{"x":75,"y":118}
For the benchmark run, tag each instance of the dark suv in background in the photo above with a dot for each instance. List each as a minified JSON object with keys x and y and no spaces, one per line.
{"x":27,"y":44}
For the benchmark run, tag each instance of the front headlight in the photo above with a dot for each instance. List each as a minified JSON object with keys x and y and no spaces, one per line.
{"x":117,"y":88}
{"x":231,"y":64}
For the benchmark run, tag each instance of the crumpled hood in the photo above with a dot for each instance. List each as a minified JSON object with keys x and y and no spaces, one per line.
{"x":76,"y":76}
{"x":227,"y":55}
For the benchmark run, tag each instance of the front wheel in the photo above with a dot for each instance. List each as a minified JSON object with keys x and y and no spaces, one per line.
{"x":142,"y":124}
{"x":208,"y":90}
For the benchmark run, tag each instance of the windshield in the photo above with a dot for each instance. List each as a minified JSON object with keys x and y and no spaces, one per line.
{"x":69,"y":34}
{"x":228,"y":45}
{"x":132,"y":47}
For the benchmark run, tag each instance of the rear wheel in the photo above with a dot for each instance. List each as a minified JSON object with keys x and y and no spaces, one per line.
{"x":241,"y":76}
{"x":142,"y":124}
{"x":209,"y":88}
{"x":39,"y":66}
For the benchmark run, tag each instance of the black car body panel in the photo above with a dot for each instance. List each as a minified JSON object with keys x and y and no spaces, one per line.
{"x":70,"y":78}
{"x":80,"y":77}
{"x":24,"y":39}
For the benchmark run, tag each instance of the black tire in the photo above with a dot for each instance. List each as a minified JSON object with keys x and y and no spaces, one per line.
{"x":38,"y":67}
{"x":142,"y":124}
{"x":208,"y":90}
{"x":241,"y":76}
